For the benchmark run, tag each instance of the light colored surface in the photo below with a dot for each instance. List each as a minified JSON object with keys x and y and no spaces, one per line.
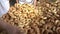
{"x":29,"y":0}
{"x":4,"y":7}
{"x":26,"y":1}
